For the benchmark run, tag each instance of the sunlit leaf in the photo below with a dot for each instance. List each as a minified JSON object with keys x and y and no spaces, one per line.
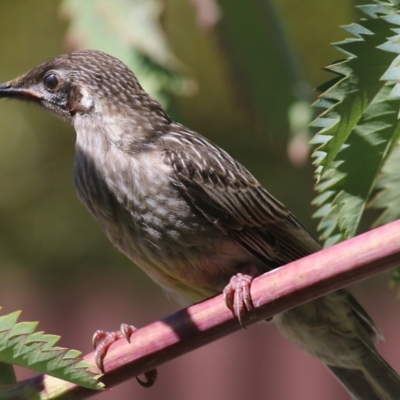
{"x":21,"y":345}
{"x":358,"y":123}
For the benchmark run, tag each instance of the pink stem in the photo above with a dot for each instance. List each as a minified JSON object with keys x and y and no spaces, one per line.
{"x":272,"y":293}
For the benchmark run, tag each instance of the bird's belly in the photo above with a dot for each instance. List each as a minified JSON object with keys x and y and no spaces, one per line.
{"x":186,"y":256}
{"x":148,"y":220}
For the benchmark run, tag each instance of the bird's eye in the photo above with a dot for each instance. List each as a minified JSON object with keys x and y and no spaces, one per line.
{"x":51,"y":81}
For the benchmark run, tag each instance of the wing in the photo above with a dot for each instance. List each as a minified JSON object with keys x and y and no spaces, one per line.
{"x":234,"y":201}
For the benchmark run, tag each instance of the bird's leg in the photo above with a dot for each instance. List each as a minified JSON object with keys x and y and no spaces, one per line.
{"x":103,"y":340}
{"x":237,"y":292}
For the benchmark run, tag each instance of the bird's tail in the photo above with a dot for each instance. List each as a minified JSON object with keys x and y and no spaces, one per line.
{"x":376,"y":381}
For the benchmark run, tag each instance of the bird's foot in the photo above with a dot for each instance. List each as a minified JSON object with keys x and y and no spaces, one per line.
{"x":237,"y":292}
{"x":103,"y":340}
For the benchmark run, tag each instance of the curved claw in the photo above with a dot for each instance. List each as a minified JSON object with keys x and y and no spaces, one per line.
{"x":151,"y":377}
{"x":237,"y":294}
{"x":103,"y":340}
{"x":126,"y":331}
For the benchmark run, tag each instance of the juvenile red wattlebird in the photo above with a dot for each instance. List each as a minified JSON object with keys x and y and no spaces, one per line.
{"x":194,"y":219}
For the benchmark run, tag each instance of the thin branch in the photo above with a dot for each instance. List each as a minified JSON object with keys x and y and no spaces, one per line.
{"x":272,"y":293}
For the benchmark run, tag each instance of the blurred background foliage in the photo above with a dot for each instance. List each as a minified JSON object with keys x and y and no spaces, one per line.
{"x":240,"y":73}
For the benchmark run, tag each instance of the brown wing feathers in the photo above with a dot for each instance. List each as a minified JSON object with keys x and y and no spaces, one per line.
{"x":233,"y":200}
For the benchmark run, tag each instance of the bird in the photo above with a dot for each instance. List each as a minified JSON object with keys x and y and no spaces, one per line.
{"x":192,"y":217}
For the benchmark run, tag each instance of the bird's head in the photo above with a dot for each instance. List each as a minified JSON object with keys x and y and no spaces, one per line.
{"x":84,"y":83}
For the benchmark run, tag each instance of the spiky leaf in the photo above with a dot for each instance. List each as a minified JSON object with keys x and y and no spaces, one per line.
{"x":358,"y":123}
{"x":388,"y":184}
{"x":21,"y":345}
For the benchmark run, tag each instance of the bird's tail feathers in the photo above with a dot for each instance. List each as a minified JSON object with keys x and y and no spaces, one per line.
{"x":376,"y":381}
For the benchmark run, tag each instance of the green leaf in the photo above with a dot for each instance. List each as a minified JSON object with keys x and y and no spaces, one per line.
{"x":358,"y":123}
{"x":21,"y":345}
{"x":254,"y":42}
{"x":7,"y":374}
{"x":131,"y":31}
{"x":388,"y":184}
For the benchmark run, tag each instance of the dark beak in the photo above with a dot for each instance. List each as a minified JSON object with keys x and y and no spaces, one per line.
{"x":8,"y":90}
